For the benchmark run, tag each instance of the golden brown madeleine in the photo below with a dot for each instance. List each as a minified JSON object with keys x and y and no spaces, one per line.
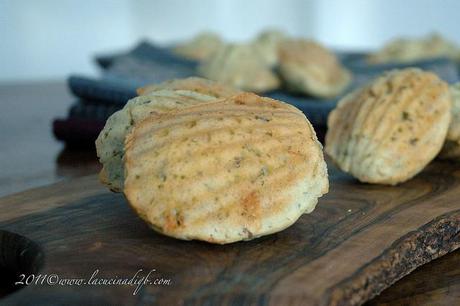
{"x":224,"y":171}
{"x":451,"y":148}
{"x":389,"y":130}
{"x":110,"y":142}
{"x":240,"y":66}
{"x":196,"y":84}
{"x":201,"y":47}
{"x":309,"y":68}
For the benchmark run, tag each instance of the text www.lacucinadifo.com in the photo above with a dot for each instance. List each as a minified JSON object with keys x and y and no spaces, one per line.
{"x":140,"y":279}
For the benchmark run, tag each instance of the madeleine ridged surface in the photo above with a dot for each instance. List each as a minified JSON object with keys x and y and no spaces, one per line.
{"x":196,"y":84}
{"x":309,"y":68}
{"x":389,"y":130}
{"x":226,"y":171}
{"x":241,"y":66}
{"x":451,"y":148}
{"x":110,"y":142}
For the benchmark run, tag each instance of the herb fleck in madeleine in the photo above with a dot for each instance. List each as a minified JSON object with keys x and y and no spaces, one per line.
{"x":226,"y":171}
{"x":389,"y":130}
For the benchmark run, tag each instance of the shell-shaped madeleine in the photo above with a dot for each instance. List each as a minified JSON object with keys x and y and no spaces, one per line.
{"x":451,"y":148}
{"x":309,"y":68}
{"x":389,"y":130}
{"x":240,"y":66}
{"x":196,"y":84}
{"x":110,"y":142}
{"x":226,"y":171}
{"x":201,"y":47}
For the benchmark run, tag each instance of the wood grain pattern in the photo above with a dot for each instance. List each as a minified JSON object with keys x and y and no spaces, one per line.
{"x":360,"y":240}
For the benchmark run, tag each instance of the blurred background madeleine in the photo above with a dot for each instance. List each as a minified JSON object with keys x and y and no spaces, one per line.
{"x":241,"y":66}
{"x":200,"y":47}
{"x":311,"y":69}
{"x":406,"y":50}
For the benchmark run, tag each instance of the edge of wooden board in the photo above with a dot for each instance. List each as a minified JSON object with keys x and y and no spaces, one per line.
{"x":416,"y":248}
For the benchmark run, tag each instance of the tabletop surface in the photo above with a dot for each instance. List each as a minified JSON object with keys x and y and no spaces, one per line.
{"x":31,"y":157}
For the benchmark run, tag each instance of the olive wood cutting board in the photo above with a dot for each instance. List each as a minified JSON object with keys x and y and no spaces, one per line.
{"x":359,"y":240}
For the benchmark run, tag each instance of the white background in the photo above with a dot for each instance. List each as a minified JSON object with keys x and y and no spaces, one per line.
{"x":48,"y":39}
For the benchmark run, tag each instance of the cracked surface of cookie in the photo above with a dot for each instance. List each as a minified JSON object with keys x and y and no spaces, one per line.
{"x":389,"y":130}
{"x":226,"y":171}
